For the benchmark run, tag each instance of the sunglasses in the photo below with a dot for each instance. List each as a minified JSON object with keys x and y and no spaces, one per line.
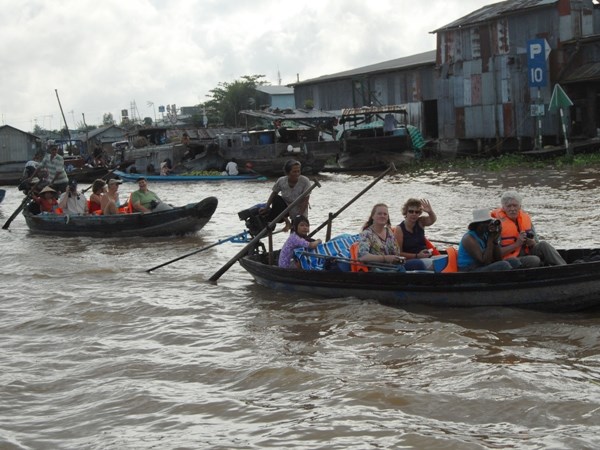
{"x":414,"y":211}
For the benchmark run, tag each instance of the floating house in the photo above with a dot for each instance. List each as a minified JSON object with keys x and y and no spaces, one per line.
{"x":16,"y":148}
{"x":476,"y":93}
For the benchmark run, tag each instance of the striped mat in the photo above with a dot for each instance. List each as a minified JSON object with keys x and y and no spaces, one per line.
{"x":338,"y":246}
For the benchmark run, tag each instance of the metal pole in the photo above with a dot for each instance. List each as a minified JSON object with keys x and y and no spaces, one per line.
{"x":63,"y":116}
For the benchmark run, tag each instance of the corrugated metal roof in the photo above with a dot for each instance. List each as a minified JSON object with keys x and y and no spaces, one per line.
{"x":495,"y":10}
{"x":587,"y":72}
{"x":406,"y":62}
{"x":276,"y":90}
{"x":289,"y":114}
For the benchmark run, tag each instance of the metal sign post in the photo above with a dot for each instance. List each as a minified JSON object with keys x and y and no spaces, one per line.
{"x":537,"y":74}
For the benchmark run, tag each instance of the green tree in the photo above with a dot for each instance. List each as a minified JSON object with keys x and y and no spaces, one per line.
{"x":107,"y":119}
{"x":228,"y":99}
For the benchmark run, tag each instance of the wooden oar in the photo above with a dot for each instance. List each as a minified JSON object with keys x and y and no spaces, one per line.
{"x":101,"y":178}
{"x":356,"y":197}
{"x":20,"y":207}
{"x":264,"y":231}
{"x":444,"y":242}
{"x":243,"y":235}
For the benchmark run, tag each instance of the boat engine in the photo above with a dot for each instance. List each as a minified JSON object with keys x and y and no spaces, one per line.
{"x":255,"y":222}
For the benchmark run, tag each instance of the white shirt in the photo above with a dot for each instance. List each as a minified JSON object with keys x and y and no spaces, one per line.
{"x":75,"y":204}
{"x":231,"y":168}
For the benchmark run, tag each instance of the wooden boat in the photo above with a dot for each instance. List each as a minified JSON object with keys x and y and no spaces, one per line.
{"x":278,"y":136}
{"x":371,"y":136}
{"x":189,"y":178}
{"x":177,"y":221}
{"x":82,"y":175}
{"x":575,"y":286}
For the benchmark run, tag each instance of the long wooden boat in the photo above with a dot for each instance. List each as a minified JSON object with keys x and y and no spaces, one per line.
{"x":366,"y":139}
{"x":281,"y":135}
{"x":177,"y":221}
{"x":573,"y":287}
{"x":189,"y":178}
{"x":82,"y":175}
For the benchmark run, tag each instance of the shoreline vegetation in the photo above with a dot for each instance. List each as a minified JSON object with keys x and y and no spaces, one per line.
{"x":503,"y":162}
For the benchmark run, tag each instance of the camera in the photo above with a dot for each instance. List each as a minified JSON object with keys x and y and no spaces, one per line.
{"x":494,"y":225}
{"x":529,"y":235}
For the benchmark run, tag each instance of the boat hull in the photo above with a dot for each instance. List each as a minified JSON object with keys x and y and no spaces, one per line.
{"x":188,"y":178}
{"x":177,"y":221}
{"x":559,"y":288}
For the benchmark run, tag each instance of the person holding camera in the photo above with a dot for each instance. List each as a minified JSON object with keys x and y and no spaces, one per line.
{"x":71,"y":201}
{"x":144,"y":200}
{"x":519,"y":239}
{"x":479,"y":249}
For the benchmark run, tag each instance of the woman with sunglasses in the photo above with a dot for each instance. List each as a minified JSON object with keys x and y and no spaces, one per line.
{"x":410,"y":234}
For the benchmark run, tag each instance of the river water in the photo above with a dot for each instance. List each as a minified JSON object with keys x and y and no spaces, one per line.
{"x":99,"y":354}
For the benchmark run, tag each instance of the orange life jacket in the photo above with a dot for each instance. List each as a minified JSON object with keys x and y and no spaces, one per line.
{"x":452,"y":265}
{"x":356,"y":266}
{"x":511,"y":230}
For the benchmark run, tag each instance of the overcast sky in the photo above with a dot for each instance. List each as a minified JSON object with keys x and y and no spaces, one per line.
{"x":104,"y":55}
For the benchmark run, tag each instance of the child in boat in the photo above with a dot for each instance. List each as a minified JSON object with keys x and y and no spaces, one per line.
{"x":298,"y":238}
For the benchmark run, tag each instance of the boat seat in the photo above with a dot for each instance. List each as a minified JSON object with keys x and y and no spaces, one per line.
{"x":338,"y":246}
{"x":452,"y":265}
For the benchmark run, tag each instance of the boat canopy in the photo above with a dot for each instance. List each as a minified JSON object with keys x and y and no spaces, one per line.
{"x":298,"y":115}
{"x":370,"y":110}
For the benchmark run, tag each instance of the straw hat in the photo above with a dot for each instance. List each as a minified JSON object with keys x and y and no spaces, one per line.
{"x":47,"y":189}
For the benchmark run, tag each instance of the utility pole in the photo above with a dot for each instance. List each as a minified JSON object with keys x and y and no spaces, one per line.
{"x":63,"y":116}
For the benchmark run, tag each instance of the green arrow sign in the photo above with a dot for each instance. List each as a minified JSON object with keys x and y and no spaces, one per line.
{"x":559,"y":99}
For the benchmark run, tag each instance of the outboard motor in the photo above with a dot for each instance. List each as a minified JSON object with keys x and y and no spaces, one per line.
{"x":255,"y":222}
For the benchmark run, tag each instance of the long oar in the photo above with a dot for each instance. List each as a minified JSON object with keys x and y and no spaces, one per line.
{"x":264,"y":231}
{"x":20,"y":208}
{"x":243,"y":235}
{"x":356,"y":197}
{"x":101,"y":178}
{"x":444,"y":242}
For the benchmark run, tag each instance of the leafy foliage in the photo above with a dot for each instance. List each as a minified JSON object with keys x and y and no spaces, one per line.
{"x":107,"y":119}
{"x":228,"y":99}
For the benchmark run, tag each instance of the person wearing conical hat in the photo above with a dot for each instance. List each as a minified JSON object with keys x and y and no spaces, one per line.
{"x":46,"y":201}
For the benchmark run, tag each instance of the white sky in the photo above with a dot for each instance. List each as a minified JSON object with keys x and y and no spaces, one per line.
{"x":103,"y":55}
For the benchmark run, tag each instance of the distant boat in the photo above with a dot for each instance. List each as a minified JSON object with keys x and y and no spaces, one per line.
{"x":371,"y":137}
{"x":281,"y":135}
{"x":189,"y":178}
{"x":177,"y":221}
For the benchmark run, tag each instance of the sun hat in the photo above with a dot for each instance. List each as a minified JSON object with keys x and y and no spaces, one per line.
{"x":114,"y":181}
{"x":47,"y":189}
{"x":480,"y":215}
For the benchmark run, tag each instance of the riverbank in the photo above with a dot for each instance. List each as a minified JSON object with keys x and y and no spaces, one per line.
{"x":503,"y":162}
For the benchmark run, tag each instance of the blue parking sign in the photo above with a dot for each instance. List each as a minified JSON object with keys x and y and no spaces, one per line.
{"x":537,"y":53}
